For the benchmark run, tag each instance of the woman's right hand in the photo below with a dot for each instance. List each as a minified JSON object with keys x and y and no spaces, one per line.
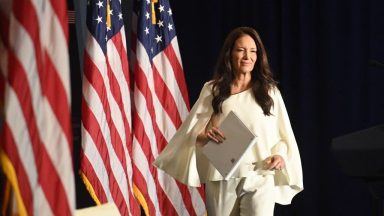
{"x":213,"y":134}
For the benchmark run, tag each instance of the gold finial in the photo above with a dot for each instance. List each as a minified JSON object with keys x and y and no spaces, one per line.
{"x":153,"y":11}
{"x":109,"y":14}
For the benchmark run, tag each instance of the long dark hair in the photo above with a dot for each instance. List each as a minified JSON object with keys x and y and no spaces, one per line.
{"x":262,"y":78}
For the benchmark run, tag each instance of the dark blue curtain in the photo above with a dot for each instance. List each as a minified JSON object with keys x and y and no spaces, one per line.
{"x":328,"y":58}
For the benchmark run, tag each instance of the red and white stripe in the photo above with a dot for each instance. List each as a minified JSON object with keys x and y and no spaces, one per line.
{"x":36,"y":142}
{"x":161,"y":104}
{"x":106,"y":124}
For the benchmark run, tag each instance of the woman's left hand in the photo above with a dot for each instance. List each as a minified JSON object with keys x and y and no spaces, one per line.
{"x":275,"y":162}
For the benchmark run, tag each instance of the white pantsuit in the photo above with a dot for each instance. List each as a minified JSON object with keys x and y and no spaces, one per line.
{"x":183,"y":159}
{"x":242,"y":196}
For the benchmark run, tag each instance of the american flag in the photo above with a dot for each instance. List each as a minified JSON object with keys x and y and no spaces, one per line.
{"x":105,"y":161}
{"x":161,"y":104}
{"x":36,"y":139}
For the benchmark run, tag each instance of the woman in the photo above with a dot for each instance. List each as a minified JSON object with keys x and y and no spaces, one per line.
{"x":271,"y":171}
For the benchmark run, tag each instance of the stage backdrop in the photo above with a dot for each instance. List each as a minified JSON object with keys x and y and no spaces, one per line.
{"x":324,"y":54}
{"x":328,"y":58}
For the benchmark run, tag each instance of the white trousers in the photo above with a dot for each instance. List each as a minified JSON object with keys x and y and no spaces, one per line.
{"x":243,"y":196}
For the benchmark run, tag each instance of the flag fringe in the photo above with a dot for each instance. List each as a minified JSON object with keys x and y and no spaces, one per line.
{"x":139,"y":196}
{"x":6,"y":197}
{"x":89,"y":187}
{"x":10,"y":173}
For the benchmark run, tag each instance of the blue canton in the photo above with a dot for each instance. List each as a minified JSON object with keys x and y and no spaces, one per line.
{"x":97,"y":20}
{"x":154,"y":37}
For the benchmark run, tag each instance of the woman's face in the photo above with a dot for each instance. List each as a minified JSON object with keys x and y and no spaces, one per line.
{"x":244,"y":54}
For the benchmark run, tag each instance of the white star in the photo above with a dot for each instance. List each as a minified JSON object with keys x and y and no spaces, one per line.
{"x":147,"y":15}
{"x":106,"y":37}
{"x":158,"y":39}
{"x":100,"y":4}
{"x":111,"y":12}
{"x":170,"y":27}
{"x":160,"y":23}
{"x":170,"y":12}
{"x":161,"y":8}
{"x":99,"y":19}
{"x":120,"y":16}
{"x":148,"y":1}
{"x":108,"y":28}
{"x":146,"y":30}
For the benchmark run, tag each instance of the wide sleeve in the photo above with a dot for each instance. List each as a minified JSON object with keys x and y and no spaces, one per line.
{"x":178,"y":158}
{"x":289,"y":181}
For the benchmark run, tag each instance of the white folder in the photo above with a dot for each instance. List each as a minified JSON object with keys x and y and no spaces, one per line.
{"x":226,"y":156}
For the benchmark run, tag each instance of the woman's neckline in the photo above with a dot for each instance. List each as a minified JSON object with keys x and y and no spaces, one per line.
{"x":244,"y":90}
